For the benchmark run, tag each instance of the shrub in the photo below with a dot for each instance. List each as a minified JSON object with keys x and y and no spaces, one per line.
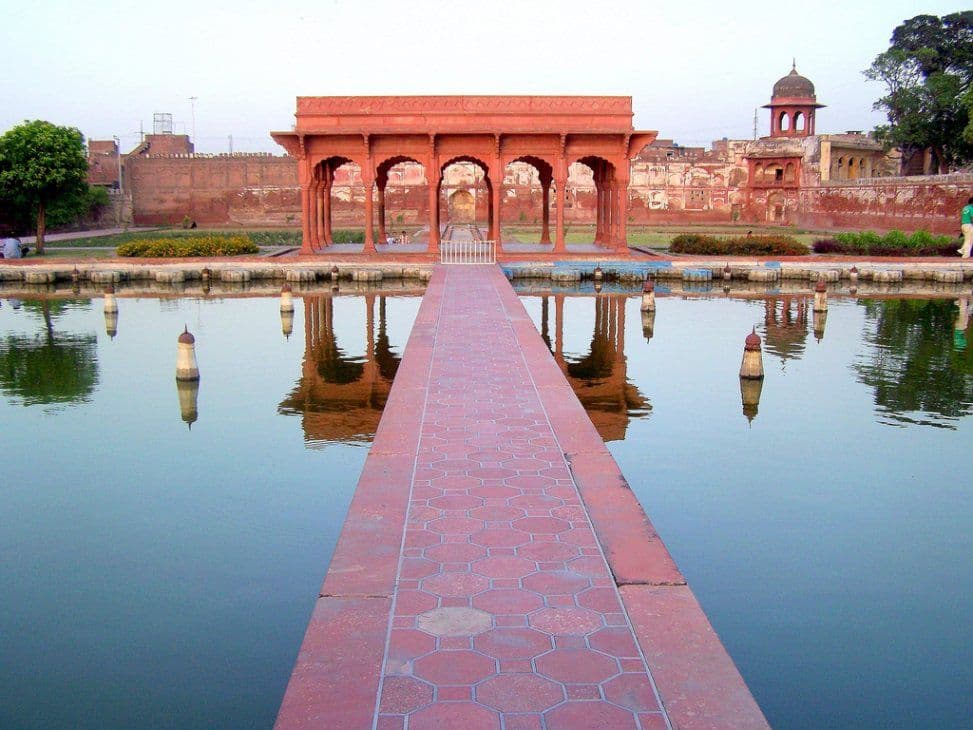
{"x":348,"y":236}
{"x":893,"y":243}
{"x":180,"y":246}
{"x":764,"y":245}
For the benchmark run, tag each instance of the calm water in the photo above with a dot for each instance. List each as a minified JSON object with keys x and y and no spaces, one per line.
{"x":157,"y":576}
{"x":830,"y":540}
{"x":160,"y":576}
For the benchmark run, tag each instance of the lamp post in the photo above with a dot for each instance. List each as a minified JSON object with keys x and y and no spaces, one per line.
{"x":192,"y":104}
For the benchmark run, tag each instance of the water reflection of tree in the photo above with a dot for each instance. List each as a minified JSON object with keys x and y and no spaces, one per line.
{"x":49,"y":367}
{"x":912,"y":362}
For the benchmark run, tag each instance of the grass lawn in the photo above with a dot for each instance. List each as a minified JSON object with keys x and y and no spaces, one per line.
{"x":261,"y":237}
{"x":82,"y":253}
{"x":659,"y":237}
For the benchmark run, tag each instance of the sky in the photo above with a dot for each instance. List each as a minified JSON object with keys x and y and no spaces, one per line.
{"x":696,"y":70}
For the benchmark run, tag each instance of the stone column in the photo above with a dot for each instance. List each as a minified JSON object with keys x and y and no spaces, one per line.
{"x":560,"y":182}
{"x":369,"y":179}
{"x":434,"y":180}
{"x":621,"y":213}
{"x":495,"y":198}
{"x":491,"y":231}
{"x":306,"y":217}
{"x":382,"y":181}
{"x":318,"y":229}
{"x":546,"y":209}
{"x":326,"y":205}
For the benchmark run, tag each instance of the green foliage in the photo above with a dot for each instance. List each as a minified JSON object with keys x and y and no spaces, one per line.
{"x":763,"y":245}
{"x":40,"y":164}
{"x":348,"y":236}
{"x":50,"y":367}
{"x":893,"y":243}
{"x":181,"y":246}
{"x":916,"y":368}
{"x":74,"y":208}
{"x":927,"y":72}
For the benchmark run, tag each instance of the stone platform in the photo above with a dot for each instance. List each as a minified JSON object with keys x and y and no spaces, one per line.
{"x":495,"y":570}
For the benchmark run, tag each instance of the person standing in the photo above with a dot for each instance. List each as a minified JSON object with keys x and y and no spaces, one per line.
{"x":966,"y":225}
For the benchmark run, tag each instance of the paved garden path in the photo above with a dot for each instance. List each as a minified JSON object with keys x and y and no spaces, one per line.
{"x":470,"y":587}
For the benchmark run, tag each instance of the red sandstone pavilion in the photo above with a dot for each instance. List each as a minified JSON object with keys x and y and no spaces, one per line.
{"x":548,"y":132}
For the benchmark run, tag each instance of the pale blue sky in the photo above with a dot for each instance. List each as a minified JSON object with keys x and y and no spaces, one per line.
{"x":696,"y":69}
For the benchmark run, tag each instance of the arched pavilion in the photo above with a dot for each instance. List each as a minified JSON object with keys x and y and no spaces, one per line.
{"x":548,"y":132}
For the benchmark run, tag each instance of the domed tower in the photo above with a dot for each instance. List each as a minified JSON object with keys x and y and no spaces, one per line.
{"x":792,"y":106}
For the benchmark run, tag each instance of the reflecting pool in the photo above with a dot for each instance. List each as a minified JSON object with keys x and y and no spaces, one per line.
{"x":161,"y":547}
{"x":825,"y":522}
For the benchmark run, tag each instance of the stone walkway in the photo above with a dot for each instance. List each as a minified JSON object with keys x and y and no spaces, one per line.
{"x":470,"y":587}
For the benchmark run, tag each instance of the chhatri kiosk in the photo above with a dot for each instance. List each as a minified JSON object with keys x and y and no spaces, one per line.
{"x":548,"y":132}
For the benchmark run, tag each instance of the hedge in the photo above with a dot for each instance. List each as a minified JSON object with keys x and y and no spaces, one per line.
{"x":763,"y":245}
{"x":893,"y":243}
{"x":180,"y":246}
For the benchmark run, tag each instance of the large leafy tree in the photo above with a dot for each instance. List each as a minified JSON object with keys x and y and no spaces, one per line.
{"x":41,"y":164}
{"x":928,"y":72}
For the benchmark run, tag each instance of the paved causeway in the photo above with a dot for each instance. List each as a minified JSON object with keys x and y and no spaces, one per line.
{"x":494,"y":570}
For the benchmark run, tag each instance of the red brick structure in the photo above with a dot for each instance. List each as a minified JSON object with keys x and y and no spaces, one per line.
{"x":103,"y":162}
{"x":791,"y":177}
{"x":491,"y":132}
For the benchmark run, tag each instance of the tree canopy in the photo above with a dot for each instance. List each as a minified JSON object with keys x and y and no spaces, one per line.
{"x":41,"y":165}
{"x":927,"y":71}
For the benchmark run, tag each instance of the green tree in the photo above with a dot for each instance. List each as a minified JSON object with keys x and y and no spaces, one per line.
{"x":927,"y":72}
{"x":41,"y":164}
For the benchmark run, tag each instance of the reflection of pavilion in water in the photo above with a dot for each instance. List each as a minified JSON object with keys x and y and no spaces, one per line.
{"x":785,"y":327}
{"x":341,"y":397}
{"x":599,"y":378}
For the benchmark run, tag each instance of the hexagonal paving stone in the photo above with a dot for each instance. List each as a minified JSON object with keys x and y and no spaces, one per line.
{"x":548,"y":551}
{"x":556,"y":582}
{"x":567,"y":620}
{"x":504,"y":567}
{"x":454,"y":667}
{"x":500,"y":537}
{"x":603,"y":600}
{"x":519,"y":693}
{"x":401,"y":695}
{"x":588,"y":716}
{"x":456,"y":501}
{"x":632,"y":691}
{"x":616,"y":641}
{"x":416,"y":568}
{"x":454,"y":621}
{"x":496,"y":513}
{"x":575,"y":666}
{"x":455,"y":525}
{"x":412,"y":603}
{"x":512,"y":643}
{"x":405,"y":646}
{"x":454,"y":552}
{"x":508,"y":600}
{"x":455,"y":584}
{"x":541,"y":525}
{"x":466,"y":715}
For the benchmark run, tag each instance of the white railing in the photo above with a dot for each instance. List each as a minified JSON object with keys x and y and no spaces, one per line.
{"x":467,"y":252}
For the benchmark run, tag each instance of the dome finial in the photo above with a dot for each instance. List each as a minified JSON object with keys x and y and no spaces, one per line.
{"x":794,"y":64}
